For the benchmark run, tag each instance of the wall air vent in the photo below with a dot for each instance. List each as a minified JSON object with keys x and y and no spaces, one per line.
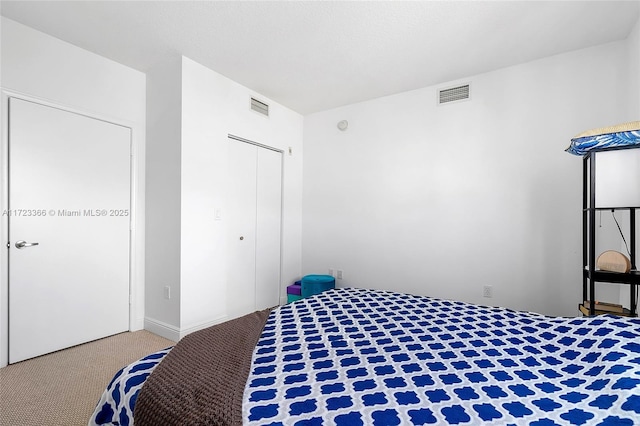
{"x":260,"y":107}
{"x":453,"y":94}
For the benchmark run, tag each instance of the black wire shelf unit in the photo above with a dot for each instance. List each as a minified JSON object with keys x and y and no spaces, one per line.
{"x":591,"y":276}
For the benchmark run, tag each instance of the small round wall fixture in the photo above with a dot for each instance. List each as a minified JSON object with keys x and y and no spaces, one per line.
{"x":343,"y":124}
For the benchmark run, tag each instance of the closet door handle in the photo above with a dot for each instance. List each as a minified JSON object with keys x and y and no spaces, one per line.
{"x":241,"y":238}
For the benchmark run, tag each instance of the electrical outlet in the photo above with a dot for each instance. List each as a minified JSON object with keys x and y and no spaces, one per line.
{"x":339,"y":274}
{"x":331,"y":272}
{"x":487,"y":291}
{"x":167,"y":292}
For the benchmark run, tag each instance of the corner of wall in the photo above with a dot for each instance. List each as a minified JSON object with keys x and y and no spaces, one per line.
{"x":163,"y":177}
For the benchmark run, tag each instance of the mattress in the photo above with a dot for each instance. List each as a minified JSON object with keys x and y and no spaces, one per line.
{"x":360,"y":357}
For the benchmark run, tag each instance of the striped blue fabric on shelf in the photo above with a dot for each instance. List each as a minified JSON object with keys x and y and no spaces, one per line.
{"x":625,"y":135}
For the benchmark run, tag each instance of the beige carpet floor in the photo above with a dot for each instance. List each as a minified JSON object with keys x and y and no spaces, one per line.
{"x":62,"y":388}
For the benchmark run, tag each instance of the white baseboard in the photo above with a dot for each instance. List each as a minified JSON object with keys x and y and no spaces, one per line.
{"x":162,"y":329}
{"x":174,"y":333}
{"x":187,"y":330}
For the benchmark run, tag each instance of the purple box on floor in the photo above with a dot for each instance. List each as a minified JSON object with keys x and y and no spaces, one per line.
{"x":295,"y":289}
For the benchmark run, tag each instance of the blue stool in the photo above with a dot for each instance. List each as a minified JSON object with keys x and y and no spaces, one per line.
{"x":314,"y":284}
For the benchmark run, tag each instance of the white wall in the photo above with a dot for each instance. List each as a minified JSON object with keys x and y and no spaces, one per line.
{"x":42,"y":68}
{"x":164,"y":129}
{"x":442,"y":200}
{"x":633,"y":53}
{"x":212,"y":106}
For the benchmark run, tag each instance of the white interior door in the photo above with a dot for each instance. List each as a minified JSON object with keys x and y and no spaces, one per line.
{"x":69,"y":192}
{"x":254,"y":212}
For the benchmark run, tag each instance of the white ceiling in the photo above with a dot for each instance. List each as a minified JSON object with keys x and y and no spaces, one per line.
{"x":316,"y":55}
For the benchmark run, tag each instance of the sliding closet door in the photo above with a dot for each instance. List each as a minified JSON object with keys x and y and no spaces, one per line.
{"x":241,"y":213}
{"x":254,"y":218}
{"x":268,"y":218}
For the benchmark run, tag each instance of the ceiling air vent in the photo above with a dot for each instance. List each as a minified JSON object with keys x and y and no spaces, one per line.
{"x":260,"y":107}
{"x":453,"y":94}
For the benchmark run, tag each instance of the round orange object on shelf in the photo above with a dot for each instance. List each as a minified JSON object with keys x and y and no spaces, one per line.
{"x":613,"y":261}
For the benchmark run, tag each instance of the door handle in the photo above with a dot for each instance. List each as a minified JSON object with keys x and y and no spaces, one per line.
{"x":22,"y":244}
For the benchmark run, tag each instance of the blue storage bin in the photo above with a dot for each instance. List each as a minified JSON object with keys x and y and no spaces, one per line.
{"x":294,"y":292}
{"x":293,"y":297}
{"x":314,"y":284}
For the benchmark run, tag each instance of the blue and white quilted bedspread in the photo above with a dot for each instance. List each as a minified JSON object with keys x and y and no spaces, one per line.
{"x":117,"y":402}
{"x":361,"y":357}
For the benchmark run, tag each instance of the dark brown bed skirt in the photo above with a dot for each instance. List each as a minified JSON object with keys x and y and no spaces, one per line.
{"x":202,"y":380}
